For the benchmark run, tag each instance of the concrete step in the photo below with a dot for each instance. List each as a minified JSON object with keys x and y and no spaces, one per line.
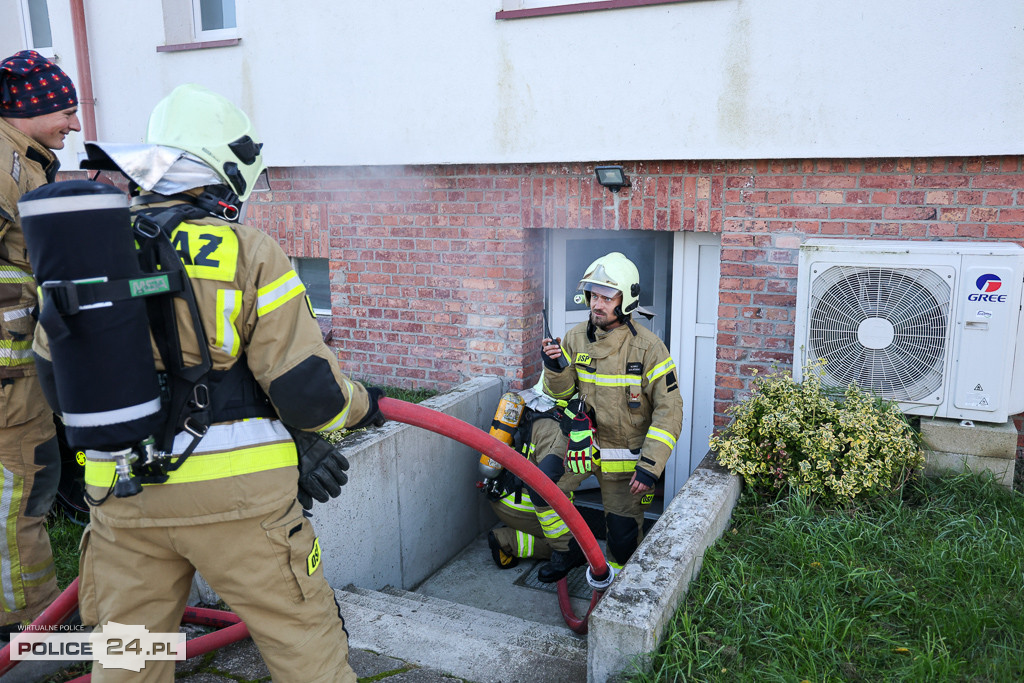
{"x":467,"y":642}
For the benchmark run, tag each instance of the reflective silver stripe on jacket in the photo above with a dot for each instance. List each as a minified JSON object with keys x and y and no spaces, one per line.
{"x":618,"y":454}
{"x":223,"y":437}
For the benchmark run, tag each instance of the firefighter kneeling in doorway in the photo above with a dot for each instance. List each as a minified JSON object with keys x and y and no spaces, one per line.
{"x":222,"y":485}
{"x":622,"y":424}
{"x":522,"y":420}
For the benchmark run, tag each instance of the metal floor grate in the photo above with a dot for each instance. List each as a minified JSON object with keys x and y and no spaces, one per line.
{"x":578,"y":586}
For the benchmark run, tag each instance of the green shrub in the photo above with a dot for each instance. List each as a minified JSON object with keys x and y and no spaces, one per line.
{"x":802,"y":436}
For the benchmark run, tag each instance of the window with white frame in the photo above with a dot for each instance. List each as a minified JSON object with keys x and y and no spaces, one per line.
{"x":214,"y":19}
{"x":37,"y":26}
{"x":315,"y":274}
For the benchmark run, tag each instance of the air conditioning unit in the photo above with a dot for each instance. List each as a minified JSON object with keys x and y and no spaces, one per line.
{"x":934,"y":326}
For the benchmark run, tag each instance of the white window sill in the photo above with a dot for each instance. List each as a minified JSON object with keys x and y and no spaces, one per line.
{"x":557,"y":8}
{"x":199,"y":45}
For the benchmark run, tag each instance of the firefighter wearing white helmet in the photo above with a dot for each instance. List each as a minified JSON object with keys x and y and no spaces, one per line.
{"x":624,"y":421}
{"x":230,"y":502}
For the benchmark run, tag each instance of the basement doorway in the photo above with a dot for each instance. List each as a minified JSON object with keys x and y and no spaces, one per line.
{"x":679,"y":274}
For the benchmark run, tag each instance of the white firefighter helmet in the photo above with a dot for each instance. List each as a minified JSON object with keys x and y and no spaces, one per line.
{"x":613,"y":273}
{"x":209,"y":126}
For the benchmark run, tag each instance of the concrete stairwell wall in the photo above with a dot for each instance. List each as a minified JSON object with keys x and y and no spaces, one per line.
{"x":410,"y":503}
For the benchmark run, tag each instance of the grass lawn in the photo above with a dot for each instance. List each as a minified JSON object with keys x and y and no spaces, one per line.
{"x":927,"y":586}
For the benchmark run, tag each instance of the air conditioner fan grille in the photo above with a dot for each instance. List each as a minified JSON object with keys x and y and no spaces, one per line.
{"x":881,"y":328}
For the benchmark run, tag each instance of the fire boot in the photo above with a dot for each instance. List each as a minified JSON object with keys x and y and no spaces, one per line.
{"x":561,"y":563}
{"x":500,"y":557}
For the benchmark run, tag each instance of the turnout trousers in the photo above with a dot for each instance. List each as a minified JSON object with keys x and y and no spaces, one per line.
{"x":521,"y":536}
{"x":266,"y":569}
{"x":623,"y":511}
{"x":29,"y":475}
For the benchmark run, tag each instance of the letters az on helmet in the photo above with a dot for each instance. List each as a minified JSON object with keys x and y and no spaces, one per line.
{"x":617,"y":272}
{"x":209,"y":126}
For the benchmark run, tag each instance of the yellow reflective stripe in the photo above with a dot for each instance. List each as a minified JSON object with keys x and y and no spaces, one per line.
{"x":14,"y":274}
{"x":509,"y":501}
{"x":11,"y":492}
{"x":662,"y":368}
{"x":209,"y":466}
{"x":608,"y":380}
{"x":618,"y":465}
{"x":616,"y":566}
{"x":39,"y":574}
{"x":568,"y":392}
{"x":562,"y":394}
{"x":229,"y":305}
{"x":339,"y":420}
{"x":552,"y":524}
{"x":524,"y":544}
{"x":279,"y":292}
{"x":14,"y":353}
{"x":661,"y":435}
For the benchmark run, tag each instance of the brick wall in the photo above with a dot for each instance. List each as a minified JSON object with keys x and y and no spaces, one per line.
{"x":437,"y":271}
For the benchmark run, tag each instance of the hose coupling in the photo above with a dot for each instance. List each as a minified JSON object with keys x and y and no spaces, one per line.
{"x":601,"y":584}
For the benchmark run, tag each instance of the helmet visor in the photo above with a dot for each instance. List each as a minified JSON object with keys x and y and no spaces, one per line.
{"x":605,"y":291}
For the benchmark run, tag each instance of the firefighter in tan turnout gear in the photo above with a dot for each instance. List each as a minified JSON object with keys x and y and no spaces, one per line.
{"x":519,"y":419}
{"x":225,"y":503}
{"x":622,"y":423}
{"x":38,"y":108}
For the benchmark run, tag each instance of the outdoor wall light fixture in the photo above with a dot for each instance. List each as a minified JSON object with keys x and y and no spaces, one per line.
{"x":612,"y":177}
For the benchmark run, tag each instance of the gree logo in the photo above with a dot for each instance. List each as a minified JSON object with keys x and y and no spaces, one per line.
{"x":988,"y":283}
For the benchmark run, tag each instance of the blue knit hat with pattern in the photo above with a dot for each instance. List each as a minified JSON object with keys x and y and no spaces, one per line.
{"x":32,"y":85}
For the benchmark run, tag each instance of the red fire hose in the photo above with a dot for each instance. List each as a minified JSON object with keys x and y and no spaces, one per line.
{"x":57,"y":613}
{"x":577,"y":624}
{"x":466,"y":434}
{"x":417,"y":416}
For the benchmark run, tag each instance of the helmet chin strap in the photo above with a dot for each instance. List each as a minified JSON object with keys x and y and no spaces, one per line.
{"x":219,"y":201}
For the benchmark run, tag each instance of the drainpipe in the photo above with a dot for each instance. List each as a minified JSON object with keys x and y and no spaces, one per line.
{"x":86,"y":101}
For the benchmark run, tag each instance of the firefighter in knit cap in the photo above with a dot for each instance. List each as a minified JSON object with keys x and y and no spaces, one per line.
{"x":38,"y":108}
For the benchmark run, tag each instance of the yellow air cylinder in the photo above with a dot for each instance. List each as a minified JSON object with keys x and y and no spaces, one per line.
{"x":503,"y":426}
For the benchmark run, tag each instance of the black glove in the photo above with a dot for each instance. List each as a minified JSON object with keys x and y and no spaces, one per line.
{"x":321,"y":468}
{"x":373,"y":414}
{"x":644,"y":477}
{"x":554,"y":364}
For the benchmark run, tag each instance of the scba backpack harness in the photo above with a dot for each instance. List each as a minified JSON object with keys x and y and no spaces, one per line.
{"x":107,"y":279}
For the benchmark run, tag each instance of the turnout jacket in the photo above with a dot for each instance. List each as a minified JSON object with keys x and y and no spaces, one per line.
{"x":629,"y":380}
{"x":24,"y":165}
{"x":254,"y":310}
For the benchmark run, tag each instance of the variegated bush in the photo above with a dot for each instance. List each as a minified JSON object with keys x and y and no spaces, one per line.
{"x":804,"y":437}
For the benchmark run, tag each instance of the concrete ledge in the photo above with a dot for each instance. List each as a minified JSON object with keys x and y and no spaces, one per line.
{"x":938,"y":462}
{"x":980,"y":447}
{"x":632,"y":616}
{"x":984,"y":439}
{"x":408,"y":507}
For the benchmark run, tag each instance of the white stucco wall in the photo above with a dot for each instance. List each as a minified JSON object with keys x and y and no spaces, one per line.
{"x":337,"y":82}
